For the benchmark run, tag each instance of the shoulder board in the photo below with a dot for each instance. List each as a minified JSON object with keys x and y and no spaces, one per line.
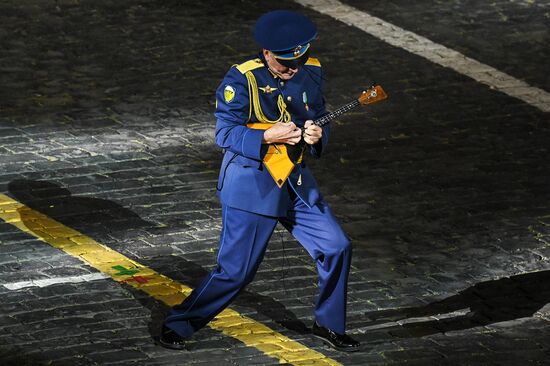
{"x":313,"y":61}
{"x":250,"y":65}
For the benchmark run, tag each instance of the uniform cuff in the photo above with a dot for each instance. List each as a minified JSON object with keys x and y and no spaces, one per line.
{"x":252,"y":143}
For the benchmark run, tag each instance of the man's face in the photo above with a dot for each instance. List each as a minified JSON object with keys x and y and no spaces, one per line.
{"x":284,"y":72}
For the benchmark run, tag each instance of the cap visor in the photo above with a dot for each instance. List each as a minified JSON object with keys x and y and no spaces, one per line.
{"x":294,"y":63}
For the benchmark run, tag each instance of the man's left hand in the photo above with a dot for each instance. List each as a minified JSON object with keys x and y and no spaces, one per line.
{"x":312,"y":133}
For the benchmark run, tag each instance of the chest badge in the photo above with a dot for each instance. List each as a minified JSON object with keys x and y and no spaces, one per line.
{"x":267,"y":89}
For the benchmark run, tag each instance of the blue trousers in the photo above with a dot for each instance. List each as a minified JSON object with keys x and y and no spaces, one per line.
{"x":243,"y":242}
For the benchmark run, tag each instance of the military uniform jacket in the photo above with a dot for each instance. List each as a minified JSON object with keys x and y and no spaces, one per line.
{"x":244,"y":182}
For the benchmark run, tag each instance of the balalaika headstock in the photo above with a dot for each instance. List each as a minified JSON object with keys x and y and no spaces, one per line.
{"x":372,"y":95}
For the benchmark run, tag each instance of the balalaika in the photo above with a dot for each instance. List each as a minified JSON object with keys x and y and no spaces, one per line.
{"x":281,"y":158}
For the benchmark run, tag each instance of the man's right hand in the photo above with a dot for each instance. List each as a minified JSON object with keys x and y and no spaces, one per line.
{"x":283,"y":133}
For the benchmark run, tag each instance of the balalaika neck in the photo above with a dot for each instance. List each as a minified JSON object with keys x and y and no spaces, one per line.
{"x":332,"y":115}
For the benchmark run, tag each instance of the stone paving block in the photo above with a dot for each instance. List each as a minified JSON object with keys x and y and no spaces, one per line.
{"x":116,"y":356}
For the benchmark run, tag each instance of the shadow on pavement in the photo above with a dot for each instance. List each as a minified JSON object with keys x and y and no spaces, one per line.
{"x":488,"y":302}
{"x":80,"y":213}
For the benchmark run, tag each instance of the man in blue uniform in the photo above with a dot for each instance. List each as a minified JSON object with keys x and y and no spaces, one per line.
{"x":281,"y":87}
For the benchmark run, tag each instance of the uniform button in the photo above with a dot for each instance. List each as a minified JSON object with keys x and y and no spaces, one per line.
{"x":289,"y":98}
{"x":282,"y":83}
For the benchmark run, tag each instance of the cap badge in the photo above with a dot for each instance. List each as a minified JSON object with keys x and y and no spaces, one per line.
{"x":297,"y":51}
{"x":228,"y":93}
{"x":267,"y":89}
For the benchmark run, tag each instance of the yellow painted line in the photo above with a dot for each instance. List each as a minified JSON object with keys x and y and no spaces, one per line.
{"x":156,"y":285}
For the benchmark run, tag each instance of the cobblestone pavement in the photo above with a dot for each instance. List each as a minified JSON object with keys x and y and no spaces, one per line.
{"x":106,"y":125}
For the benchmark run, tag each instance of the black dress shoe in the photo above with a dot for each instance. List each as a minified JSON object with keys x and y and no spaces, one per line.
{"x":340,"y":342}
{"x":170,"y":339}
